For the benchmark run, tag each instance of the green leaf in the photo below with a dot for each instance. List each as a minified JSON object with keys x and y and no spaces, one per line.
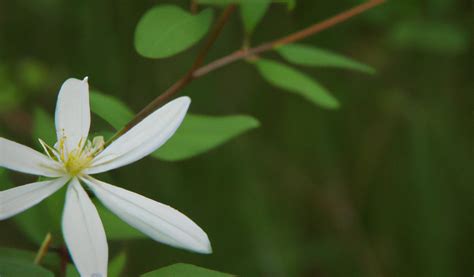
{"x":185,"y":270}
{"x":252,"y":13}
{"x":16,"y":262}
{"x":32,"y":74}
{"x":23,"y":269}
{"x":110,"y":109}
{"x":166,"y":30}
{"x":115,"y":228}
{"x":292,"y":80}
{"x":43,"y":127}
{"x":16,"y":255}
{"x":10,"y":97}
{"x":311,"y":56}
{"x":117,"y":265}
{"x":198,"y":134}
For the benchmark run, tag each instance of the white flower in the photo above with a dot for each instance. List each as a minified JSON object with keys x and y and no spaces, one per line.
{"x":74,"y":158}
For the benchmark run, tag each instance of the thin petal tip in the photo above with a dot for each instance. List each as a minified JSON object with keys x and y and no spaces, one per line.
{"x":86,"y":79}
{"x":204,"y":248}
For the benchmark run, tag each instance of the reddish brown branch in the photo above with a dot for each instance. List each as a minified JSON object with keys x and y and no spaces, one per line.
{"x":309,"y":31}
{"x":197,"y":71}
{"x":186,"y":79}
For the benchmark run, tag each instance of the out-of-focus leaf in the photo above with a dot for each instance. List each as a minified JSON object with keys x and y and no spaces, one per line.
{"x":166,"y":30}
{"x":15,"y":262}
{"x":10,"y":96}
{"x":185,"y":270}
{"x":116,"y":267}
{"x":110,"y":109}
{"x":20,"y":255}
{"x":311,"y":56}
{"x":252,"y":13}
{"x":115,"y":228}
{"x":430,"y":36}
{"x":32,"y":74}
{"x":43,"y":127}
{"x":23,"y":269}
{"x":16,"y":255}
{"x":292,"y":80}
{"x":198,"y":134}
{"x":291,"y":4}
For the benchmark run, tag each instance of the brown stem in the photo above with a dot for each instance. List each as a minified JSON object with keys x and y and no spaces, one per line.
{"x":186,"y":79}
{"x":197,"y":71}
{"x":64,"y":255}
{"x":193,"y":6}
{"x":309,"y":31}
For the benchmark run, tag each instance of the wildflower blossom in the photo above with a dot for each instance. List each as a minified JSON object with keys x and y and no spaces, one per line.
{"x":72,"y":161}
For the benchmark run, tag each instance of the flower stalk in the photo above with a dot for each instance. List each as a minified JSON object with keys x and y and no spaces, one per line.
{"x":43,"y":250}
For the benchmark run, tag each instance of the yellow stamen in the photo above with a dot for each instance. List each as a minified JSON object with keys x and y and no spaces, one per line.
{"x":79,"y":158}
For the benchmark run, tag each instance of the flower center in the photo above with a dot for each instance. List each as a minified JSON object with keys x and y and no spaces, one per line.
{"x":78,"y":159}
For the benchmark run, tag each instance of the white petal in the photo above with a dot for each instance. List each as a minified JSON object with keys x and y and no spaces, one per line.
{"x":73,"y":117}
{"x":161,"y":222}
{"x":21,"y":158}
{"x":84,"y":233}
{"x":144,"y":138}
{"x":18,"y":199}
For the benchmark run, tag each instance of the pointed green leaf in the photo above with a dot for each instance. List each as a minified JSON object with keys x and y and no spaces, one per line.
{"x":166,"y":30}
{"x":23,"y":269}
{"x":311,"y":56}
{"x":198,"y":134}
{"x":252,"y":13}
{"x":292,"y":80}
{"x":16,"y":262}
{"x":185,"y":270}
{"x":16,"y":255}
{"x":117,"y":265}
{"x":109,"y":108}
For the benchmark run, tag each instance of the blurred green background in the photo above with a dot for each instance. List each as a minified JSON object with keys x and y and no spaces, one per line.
{"x":381,"y":187}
